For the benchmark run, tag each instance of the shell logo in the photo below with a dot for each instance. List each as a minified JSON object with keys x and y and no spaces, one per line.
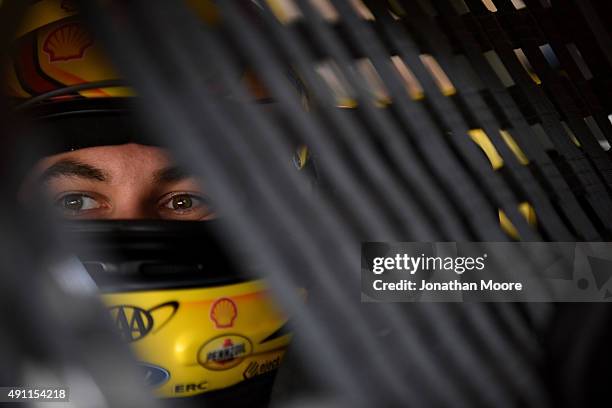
{"x":223,"y":312}
{"x":67,"y":42}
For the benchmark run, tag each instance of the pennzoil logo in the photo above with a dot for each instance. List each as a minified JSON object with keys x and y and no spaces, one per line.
{"x":67,"y":42}
{"x":223,"y":312}
{"x":224,"y":352}
{"x":134,"y":323}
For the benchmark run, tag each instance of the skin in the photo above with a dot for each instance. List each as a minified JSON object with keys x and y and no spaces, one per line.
{"x":129,"y":181}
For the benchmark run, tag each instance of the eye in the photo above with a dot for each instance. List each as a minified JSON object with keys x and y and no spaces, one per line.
{"x":185,"y":206}
{"x":75,"y":203}
{"x":182,"y":202}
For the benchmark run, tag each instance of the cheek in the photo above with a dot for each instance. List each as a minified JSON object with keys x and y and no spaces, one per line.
{"x":211,"y":216}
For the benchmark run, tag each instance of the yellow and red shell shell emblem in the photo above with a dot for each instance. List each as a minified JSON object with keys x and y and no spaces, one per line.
{"x":67,"y":42}
{"x":223,"y":312}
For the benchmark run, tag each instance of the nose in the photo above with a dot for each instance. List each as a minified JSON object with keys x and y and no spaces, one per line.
{"x":133,"y":207}
{"x":132,"y":215}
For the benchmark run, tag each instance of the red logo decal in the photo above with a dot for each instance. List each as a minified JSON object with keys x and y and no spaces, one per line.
{"x":223,"y":312}
{"x":67,"y":42}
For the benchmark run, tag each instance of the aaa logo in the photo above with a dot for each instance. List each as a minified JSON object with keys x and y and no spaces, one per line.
{"x":133,"y":323}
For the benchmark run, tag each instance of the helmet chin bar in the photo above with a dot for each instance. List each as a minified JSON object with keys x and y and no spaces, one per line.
{"x":135,"y":255}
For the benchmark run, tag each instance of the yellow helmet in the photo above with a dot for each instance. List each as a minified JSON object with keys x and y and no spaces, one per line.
{"x":55,"y":50}
{"x":56,"y":57}
{"x":200,"y":328}
{"x":195,"y":323}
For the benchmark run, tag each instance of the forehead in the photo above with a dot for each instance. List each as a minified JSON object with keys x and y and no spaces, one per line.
{"x":127,"y":158}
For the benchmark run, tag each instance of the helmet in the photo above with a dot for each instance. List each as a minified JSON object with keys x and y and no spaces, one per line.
{"x":195,"y":324}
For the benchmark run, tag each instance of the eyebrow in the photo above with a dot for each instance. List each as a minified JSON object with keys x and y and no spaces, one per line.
{"x":72,"y":168}
{"x":171,"y":174}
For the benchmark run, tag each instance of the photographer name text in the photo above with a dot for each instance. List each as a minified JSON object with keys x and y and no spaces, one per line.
{"x":455,"y":285}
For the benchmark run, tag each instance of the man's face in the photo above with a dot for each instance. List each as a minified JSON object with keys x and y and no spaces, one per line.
{"x":128,"y":181}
